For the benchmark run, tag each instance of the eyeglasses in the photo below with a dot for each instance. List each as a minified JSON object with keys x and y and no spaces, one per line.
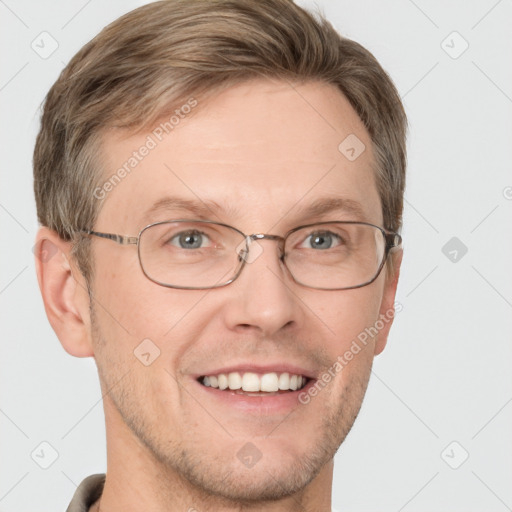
{"x":202,"y":254}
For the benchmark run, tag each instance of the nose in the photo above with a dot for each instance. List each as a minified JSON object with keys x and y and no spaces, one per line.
{"x":264,"y":297}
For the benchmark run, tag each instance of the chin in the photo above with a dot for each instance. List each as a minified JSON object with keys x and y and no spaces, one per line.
{"x":267,"y":480}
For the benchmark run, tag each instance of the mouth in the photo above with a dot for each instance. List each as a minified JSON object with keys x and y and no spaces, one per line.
{"x":271,"y":390}
{"x":256,"y":384}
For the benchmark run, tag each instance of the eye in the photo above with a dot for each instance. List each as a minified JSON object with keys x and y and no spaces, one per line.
{"x":189,"y":240}
{"x":322,"y":240}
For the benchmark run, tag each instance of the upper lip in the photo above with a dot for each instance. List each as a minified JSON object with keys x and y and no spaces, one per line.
{"x":260,"y":368}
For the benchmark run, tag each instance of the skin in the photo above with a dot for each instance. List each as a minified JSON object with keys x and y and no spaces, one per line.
{"x":268,"y":149}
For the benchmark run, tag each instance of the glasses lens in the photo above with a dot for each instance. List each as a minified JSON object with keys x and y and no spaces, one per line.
{"x":192,"y":254}
{"x":186,"y":254}
{"x":335,"y":255}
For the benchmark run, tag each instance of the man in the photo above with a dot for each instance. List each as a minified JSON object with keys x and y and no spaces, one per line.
{"x":220,"y":188}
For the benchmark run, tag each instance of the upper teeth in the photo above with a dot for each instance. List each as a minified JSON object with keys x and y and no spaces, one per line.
{"x":249,"y":381}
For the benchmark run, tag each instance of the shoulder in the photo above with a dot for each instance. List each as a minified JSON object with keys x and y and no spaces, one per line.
{"x":87,"y":493}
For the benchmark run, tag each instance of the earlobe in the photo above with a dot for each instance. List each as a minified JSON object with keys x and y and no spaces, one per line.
{"x":64,"y":293}
{"x":388,"y":309}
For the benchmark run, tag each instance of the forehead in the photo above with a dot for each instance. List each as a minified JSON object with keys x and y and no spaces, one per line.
{"x":261,"y":153}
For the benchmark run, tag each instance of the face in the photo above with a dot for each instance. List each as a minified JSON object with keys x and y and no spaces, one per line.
{"x":257,"y":155}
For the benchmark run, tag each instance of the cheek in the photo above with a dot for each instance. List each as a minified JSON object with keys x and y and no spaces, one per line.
{"x":347,"y":313}
{"x":348,"y":317}
{"x":132,"y":306}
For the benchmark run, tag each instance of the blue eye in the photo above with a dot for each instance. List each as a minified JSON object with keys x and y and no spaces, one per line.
{"x":189,"y":240}
{"x":322,"y":240}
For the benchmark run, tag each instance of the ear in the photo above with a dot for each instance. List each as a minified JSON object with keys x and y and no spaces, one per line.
{"x":64,"y":292}
{"x":387,"y":308}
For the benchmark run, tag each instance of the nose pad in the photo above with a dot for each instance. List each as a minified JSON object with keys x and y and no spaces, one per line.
{"x":249,"y":249}
{"x":243,"y":250}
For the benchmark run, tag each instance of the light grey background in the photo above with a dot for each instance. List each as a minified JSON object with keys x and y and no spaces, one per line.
{"x":445,"y":375}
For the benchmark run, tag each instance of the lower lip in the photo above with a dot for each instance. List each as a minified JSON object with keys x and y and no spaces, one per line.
{"x":259,"y":404}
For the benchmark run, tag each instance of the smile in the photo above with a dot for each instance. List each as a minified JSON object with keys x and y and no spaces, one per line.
{"x":255,"y":384}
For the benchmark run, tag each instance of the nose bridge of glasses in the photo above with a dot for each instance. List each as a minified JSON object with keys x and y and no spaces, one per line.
{"x":263,"y":236}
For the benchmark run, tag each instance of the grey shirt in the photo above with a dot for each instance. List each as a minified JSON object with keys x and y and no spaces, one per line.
{"x":87,"y":493}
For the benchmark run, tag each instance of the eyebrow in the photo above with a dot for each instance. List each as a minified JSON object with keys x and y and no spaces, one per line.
{"x":206,"y":209}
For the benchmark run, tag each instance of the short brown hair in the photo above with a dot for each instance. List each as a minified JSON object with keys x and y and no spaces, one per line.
{"x":153,"y":58}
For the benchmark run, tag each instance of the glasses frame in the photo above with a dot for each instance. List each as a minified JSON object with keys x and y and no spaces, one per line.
{"x":392,"y":239}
